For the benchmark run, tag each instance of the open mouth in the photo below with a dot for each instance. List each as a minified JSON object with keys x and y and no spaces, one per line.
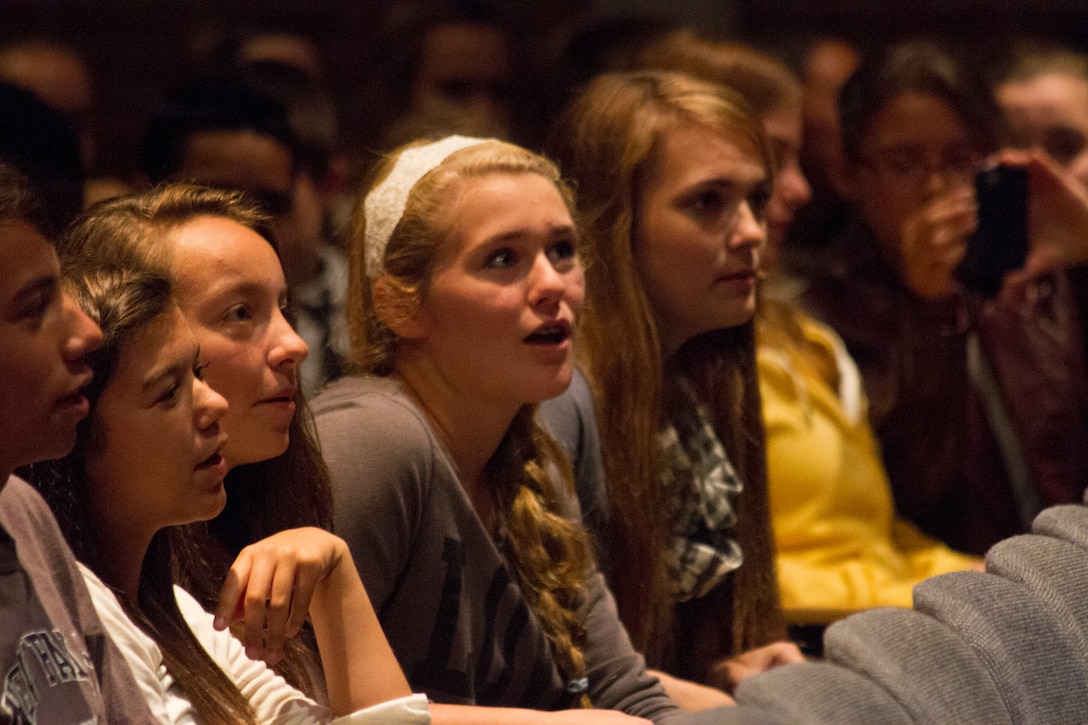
{"x":282,"y":396}
{"x":211,"y":461}
{"x":549,"y":334}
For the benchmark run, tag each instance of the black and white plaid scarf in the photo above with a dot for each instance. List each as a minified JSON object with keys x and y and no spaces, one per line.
{"x":700,"y":487}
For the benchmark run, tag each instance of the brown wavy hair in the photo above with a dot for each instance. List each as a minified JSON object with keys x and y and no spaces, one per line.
{"x":605,"y":142}
{"x":766,"y":83}
{"x":551,"y":555}
{"x":286,"y":492}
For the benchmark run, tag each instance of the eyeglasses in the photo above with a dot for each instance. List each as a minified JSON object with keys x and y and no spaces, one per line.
{"x":914,"y":166}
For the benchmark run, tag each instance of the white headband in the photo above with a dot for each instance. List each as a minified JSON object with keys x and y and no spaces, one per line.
{"x":384,"y":205}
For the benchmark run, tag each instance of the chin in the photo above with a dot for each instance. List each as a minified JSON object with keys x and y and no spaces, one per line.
{"x":556,"y":386}
{"x":256,"y":451}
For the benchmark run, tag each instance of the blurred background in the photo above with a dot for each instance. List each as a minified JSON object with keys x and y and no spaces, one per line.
{"x":137,"y":50}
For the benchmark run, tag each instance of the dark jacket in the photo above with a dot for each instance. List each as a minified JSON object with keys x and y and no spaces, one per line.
{"x":953,"y":452}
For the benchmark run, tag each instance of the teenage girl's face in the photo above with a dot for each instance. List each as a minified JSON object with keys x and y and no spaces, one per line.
{"x":497,"y":318}
{"x":699,"y":232}
{"x":230,"y":285}
{"x":161,"y":464}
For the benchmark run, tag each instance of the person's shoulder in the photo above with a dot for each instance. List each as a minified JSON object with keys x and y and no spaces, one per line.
{"x":22,"y":508}
{"x":369,"y":405}
{"x":369,"y":426}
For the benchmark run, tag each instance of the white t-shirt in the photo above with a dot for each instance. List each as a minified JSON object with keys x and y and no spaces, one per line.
{"x":271,"y":697}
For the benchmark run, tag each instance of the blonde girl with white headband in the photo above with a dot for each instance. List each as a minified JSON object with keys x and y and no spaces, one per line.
{"x":466,"y":285}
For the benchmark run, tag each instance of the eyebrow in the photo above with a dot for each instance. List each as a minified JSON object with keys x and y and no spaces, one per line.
{"x":255,"y":289}
{"x":731,"y":184}
{"x":45,"y":283}
{"x":177,"y":370}
{"x":557,"y":230}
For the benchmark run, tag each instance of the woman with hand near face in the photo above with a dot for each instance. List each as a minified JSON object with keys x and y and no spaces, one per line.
{"x":674,"y":176}
{"x":149,"y":460}
{"x":217,"y":250}
{"x":466,"y":287}
{"x":978,"y":404}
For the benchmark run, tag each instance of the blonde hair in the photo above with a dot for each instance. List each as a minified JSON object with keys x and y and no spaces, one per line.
{"x":606,"y":141}
{"x":551,"y":555}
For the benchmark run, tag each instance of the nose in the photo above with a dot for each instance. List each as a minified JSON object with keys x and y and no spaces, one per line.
{"x":287,"y":349}
{"x":548,"y":283}
{"x":209,"y":407}
{"x":795,"y":187}
{"x":939,"y":180}
{"x":748,"y":230}
{"x":83,"y":336}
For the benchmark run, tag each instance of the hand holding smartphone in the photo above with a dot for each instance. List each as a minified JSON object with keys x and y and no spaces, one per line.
{"x":1000,"y":243}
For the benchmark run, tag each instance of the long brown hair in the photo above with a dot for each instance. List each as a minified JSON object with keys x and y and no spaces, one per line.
{"x":551,"y":554}
{"x":768,"y":85}
{"x":605,"y":142}
{"x":124,"y":303}
{"x":289,"y":491}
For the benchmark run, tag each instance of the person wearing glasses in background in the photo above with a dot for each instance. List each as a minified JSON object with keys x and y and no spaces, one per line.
{"x":257,"y":129}
{"x":979,"y":404}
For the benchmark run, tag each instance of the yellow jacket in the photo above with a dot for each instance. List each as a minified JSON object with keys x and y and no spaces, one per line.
{"x":840,"y":546}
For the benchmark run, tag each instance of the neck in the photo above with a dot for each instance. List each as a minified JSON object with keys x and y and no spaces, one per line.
{"x":470,"y":426}
{"x":125,"y":549}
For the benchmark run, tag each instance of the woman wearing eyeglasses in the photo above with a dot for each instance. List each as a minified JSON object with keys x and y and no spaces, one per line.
{"x":978,"y":404}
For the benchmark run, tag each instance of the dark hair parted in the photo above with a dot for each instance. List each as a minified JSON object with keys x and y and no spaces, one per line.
{"x":606,"y":142}
{"x":222,"y":99}
{"x":551,"y":555}
{"x":125,"y":304}
{"x":917,"y":67}
{"x":289,"y":491}
{"x":18,"y":201}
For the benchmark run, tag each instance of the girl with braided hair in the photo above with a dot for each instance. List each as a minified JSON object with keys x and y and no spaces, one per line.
{"x":466,"y":284}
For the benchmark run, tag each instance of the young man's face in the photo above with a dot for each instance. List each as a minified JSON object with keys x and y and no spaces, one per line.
{"x":45,"y":338}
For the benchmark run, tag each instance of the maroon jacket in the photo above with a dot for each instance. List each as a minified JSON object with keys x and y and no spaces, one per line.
{"x":949,"y":472}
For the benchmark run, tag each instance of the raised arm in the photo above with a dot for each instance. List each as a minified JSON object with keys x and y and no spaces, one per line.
{"x":276,"y":582}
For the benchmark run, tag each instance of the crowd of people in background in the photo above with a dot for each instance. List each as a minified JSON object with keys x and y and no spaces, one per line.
{"x":613,"y":389}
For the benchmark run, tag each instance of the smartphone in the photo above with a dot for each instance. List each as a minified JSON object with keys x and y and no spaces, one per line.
{"x":1000,"y":243}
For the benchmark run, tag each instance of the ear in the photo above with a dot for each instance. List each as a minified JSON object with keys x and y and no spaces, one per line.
{"x":401,"y":313}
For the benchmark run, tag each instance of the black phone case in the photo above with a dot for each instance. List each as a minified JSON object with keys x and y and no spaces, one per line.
{"x":1000,"y":243}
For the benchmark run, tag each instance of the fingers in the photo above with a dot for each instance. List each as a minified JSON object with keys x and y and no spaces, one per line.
{"x":784,"y":653}
{"x":271,"y":584}
{"x":306,"y":581}
{"x":935,"y":241}
{"x":268,"y":602}
{"x":229,"y":608}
